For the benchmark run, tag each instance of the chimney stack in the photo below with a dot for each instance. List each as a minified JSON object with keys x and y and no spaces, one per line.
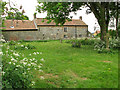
{"x":80,"y":17}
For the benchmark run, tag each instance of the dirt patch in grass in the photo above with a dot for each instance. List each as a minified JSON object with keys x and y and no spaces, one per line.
{"x":105,"y":61}
{"x":50,"y":75}
{"x":83,"y":78}
{"x":75,"y":76}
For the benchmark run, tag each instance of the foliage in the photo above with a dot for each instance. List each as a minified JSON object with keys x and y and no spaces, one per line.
{"x":2,"y":39}
{"x":16,"y":68}
{"x":112,"y":33}
{"x":83,"y":41}
{"x":57,"y":11}
{"x":12,"y":12}
{"x":99,"y":46}
{"x":76,"y":44}
{"x":17,"y":16}
{"x":23,"y":47}
{"x":11,"y":42}
{"x":114,"y":43}
{"x":2,"y":7}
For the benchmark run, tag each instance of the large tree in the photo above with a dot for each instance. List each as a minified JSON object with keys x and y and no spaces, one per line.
{"x":60,"y":11}
{"x":11,"y":12}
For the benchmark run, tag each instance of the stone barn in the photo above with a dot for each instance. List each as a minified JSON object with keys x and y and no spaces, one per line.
{"x":38,"y":30}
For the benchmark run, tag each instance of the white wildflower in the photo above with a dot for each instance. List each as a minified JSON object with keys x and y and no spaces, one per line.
{"x":3,"y":72}
{"x":29,"y":54}
{"x":1,"y":45}
{"x":1,"y":53}
{"x":42,"y":59}
{"x":40,"y":52}
{"x":33,"y":58}
{"x":17,"y":65}
{"x":9,"y":63}
{"x":40,"y":70}
{"x":37,"y":52}
{"x":2,"y":40}
{"x":24,"y":63}
{"x":13,"y":63}
{"x":29,"y":64}
{"x":42,"y":77}
{"x":30,"y":59}
{"x":16,"y":54}
{"x":26,"y":47}
{"x":33,"y":83}
{"x":12,"y":59}
{"x":24,"y":73}
{"x":39,"y":66}
{"x":22,"y":45}
{"x":28,"y":69}
{"x":33,"y":63}
{"x":34,"y":53}
{"x":0,"y":68}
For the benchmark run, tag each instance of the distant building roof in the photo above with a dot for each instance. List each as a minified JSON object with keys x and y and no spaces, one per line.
{"x":74,"y":22}
{"x":30,"y":25}
{"x":19,"y":25}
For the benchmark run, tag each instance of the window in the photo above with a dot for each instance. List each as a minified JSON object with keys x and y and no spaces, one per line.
{"x":65,"y":29}
{"x":65,"y":36}
{"x":80,"y":35}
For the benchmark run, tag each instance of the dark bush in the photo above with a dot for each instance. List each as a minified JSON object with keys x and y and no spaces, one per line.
{"x":76,"y":44}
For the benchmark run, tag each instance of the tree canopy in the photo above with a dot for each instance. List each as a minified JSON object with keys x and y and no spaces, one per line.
{"x":12,"y":12}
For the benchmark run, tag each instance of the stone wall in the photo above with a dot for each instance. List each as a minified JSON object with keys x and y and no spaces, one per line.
{"x":47,"y":33}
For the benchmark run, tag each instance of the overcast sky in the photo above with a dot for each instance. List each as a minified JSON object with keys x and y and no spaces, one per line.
{"x":30,"y":7}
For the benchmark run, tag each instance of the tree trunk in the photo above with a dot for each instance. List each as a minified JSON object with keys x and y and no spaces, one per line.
{"x":107,"y":41}
{"x":103,"y":32}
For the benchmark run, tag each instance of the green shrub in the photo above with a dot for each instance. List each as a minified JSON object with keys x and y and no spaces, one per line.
{"x":16,"y":69}
{"x":82,"y":41}
{"x":12,"y":42}
{"x":76,"y":44}
{"x":87,"y":41}
{"x":23,"y":47}
{"x":114,"y":43}
{"x":101,"y":47}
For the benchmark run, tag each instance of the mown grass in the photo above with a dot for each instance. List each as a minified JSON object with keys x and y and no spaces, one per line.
{"x":68,"y":67}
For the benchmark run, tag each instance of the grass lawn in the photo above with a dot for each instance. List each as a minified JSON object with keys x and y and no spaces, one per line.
{"x":68,"y":67}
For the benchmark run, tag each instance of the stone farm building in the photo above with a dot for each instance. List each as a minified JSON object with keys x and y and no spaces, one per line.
{"x":38,"y":30}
